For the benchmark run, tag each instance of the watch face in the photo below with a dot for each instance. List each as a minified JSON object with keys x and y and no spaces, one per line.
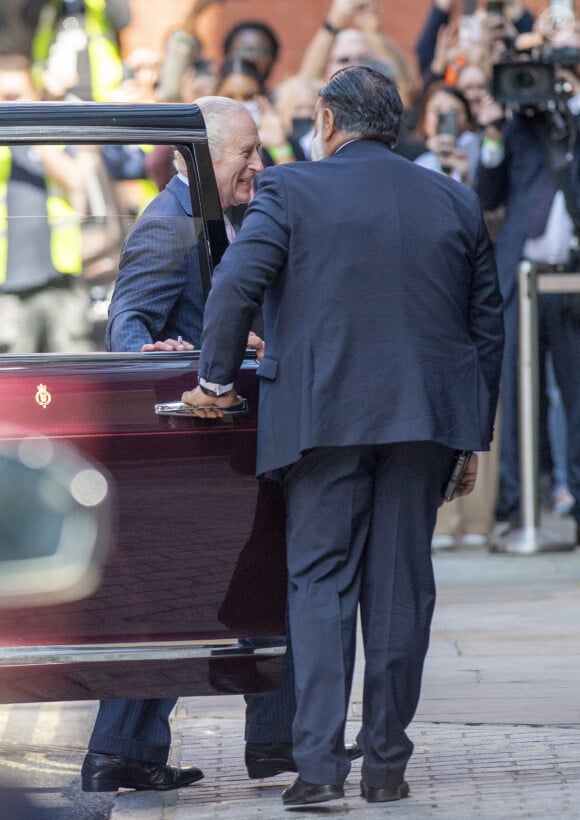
{"x":557,"y":22}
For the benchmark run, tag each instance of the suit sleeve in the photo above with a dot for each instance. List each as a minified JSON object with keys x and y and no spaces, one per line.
{"x":486,"y":315}
{"x":247,"y":268}
{"x":153,"y":270}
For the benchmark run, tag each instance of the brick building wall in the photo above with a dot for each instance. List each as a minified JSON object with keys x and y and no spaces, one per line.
{"x":295,"y":22}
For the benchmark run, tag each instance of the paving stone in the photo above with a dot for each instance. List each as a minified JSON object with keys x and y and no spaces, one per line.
{"x":497,"y":732}
{"x":493,"y":773}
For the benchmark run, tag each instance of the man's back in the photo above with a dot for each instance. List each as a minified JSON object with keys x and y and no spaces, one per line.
{"x":384,"y":334}
{"x":397,"y":246}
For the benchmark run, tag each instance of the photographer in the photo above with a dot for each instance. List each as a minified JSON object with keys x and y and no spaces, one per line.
{"x":530,"y":165}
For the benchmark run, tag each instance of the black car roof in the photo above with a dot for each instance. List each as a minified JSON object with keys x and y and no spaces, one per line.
{"x":98,"y":122}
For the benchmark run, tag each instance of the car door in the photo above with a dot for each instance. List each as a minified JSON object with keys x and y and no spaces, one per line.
{"x":191,"y":592}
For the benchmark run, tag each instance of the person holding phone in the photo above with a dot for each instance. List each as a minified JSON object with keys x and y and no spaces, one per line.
{"x":446,"y":126}
{"x":438,"y":45}
{"x":184,"y":63}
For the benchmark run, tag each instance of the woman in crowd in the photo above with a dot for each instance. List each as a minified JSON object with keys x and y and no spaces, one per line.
{"x":446,"y":126}
{"x":242,"y":81}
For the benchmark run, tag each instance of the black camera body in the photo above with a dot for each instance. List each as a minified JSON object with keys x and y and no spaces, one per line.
{"x":529,"y":79}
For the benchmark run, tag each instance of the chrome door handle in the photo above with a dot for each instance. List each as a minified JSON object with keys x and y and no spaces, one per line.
{"x":180,"y":408}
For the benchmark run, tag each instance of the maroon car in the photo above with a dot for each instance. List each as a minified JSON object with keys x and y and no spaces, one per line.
{"x":186,"y":590}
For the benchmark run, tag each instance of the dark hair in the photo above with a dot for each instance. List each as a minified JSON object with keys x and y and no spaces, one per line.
{"x":434,"y":88}
{"x":364,"y":101}
{"x":252,"y":25}
{"x":235,"y":65}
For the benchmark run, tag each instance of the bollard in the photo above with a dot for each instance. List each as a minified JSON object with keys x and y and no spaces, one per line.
{"x":531,"y":537}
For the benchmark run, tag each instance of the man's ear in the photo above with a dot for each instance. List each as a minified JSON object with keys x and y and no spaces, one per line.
{"x":328,"y":124}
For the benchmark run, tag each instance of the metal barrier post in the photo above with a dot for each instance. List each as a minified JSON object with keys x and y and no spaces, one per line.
{"x":530,"y":538}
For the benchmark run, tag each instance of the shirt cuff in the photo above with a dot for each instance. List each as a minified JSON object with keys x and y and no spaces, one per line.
{"x":218,"y":389}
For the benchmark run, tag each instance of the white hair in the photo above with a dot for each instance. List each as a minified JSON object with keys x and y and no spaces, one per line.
{"x":218,"y":114}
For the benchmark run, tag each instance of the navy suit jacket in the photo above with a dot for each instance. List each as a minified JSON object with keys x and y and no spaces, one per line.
{"x":382,"y":311}
{"x":158,"y":293}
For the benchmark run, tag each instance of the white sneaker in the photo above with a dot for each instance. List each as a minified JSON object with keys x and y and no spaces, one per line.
{"x":444,"y":542}
{"x":475,"y":540}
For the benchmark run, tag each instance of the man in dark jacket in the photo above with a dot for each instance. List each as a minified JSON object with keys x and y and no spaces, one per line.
{"x":384,"y":335}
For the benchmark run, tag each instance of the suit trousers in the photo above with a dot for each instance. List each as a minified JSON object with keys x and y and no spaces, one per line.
{"x":140,"y":729}
{"x":359,"y":526}
{"x":269,"y":717}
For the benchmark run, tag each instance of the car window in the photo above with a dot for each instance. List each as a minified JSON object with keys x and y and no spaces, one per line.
{"x":65,"y":213}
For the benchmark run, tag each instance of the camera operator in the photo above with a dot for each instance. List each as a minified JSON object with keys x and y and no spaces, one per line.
{"x":530,"y":165}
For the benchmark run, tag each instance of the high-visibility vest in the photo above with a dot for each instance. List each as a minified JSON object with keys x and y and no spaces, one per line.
{"x":106,"y":66}
{"x":149,"y":189}
{"x":65,"y":229}
{"x":137,"y":193}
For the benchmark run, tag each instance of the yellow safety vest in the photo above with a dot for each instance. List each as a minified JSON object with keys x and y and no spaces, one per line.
{"x":149,"y":189}
{"x":106,"y":66}
{"x":138,"y":193}
{"x":65,"y":229}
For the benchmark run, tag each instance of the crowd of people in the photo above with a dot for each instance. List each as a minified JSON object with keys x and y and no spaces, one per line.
{"x":509,"y":152}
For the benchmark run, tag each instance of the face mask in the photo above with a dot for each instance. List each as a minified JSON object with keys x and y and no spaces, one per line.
{"x":317,"y":150}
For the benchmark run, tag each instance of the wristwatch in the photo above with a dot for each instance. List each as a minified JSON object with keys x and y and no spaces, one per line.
{"x":214,"y":393}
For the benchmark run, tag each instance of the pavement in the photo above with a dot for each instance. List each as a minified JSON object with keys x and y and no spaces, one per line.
{"x":497,"y":732}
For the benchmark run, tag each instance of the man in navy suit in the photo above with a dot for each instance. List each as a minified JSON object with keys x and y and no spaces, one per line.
{"x":384,"y":334}
{"x":158,"y":293}
{"x":158,"y":305}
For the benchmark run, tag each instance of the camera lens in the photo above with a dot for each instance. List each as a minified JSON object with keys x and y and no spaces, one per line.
{"x":524,"y":80}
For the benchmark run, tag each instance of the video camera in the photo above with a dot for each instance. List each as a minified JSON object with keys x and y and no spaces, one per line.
{"x":529,"y":79}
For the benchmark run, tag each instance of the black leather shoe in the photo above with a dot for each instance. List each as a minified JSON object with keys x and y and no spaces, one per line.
{"x":372,"y":795}
{"x":302,"y":793}
{"x":268,"y":760}
{"x":353,"y":751}
{"x":108,"y":773}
